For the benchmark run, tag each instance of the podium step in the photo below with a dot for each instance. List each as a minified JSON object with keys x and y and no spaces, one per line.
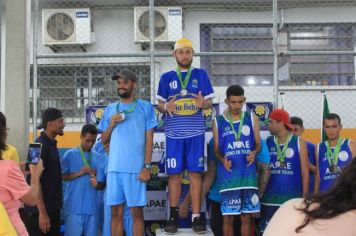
{"x":184,"y":232}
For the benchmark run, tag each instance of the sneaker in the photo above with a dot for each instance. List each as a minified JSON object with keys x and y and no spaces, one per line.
{"x":198,"y":225}
{"x":171,"y":226}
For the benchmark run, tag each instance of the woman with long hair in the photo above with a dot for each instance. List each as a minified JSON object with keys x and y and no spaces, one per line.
{"x":14,"y":190}
{"x":329,"y":213}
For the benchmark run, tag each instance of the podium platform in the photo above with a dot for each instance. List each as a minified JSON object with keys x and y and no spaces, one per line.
{"x":184,"y":232}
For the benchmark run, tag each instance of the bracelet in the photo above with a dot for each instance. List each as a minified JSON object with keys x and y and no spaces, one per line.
{"x":165,"y":106}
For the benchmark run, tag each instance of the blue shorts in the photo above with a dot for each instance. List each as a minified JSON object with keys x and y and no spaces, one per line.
{"x":186,"y":153}
{"x":125,"y":187}
{"x":128,"y":222}
{"x":77,"y":225}
{"x":267,"y":211}
{"x":100,"y":210}
{"x":235,"y":202}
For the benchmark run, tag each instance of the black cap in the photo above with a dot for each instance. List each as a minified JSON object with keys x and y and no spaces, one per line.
{"x":48,"y":115}
{"x":126,"y":74}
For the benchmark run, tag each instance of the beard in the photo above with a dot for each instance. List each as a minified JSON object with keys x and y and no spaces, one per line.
{"x":186,"y":64}
{"x":125,"y":94}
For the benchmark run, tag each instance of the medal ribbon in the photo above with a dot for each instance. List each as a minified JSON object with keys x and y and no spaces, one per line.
{"x":238,"y":133}
{"x":85,"y":160}
{"x":333,"y":157}
{"x":132,"y":108}
{"x":281,"y":154}
{"x":184,"y":82}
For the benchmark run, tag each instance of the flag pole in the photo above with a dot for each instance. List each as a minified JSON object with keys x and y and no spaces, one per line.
{"x":322,"y":114}
{"x":282,"y":101}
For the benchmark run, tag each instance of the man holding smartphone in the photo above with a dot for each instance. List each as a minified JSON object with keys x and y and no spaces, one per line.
{"x":44,"y":219}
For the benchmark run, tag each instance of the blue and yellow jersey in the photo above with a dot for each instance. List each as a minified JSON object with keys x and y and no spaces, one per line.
{"x":188,"y":120}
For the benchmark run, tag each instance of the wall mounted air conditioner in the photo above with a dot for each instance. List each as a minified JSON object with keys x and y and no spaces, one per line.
{"x":168,"y":24}
{"x":66,"y":26}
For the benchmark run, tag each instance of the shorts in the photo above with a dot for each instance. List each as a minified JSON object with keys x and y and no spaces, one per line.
{"x":267,"y":211}
{"x":125,"y":187}
{"x":77,"y":225}
{"x":235,"y":202}
{"x":186,"y":153}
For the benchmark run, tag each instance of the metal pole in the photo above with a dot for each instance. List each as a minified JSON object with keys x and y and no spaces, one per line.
{"x":275,"y":53}
{"x":34,"y":71}
{"x":152,"y":48}
{"x":90,"y":86}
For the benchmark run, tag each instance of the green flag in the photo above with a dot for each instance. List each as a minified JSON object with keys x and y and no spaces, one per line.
{"x":325,"y":113}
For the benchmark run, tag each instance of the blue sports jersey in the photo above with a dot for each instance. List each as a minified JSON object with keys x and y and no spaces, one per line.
{"x":188,"y":120}
{"x":311,"y":156}
{"x":79,"y":196}
{"x":214,"y":192}
{"x":326,"y":177}
{"x":285,"y":182}
{"x":241,"y":176}
{"x":128,"y":140}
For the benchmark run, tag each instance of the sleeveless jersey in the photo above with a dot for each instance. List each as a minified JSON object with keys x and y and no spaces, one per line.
{"x":326,"y":177}
{"x":188,"y":120}
{"x":285,"y":182}
{"x":241,"y":176}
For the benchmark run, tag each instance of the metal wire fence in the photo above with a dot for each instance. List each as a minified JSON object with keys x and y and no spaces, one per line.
{"x":298,"y":47}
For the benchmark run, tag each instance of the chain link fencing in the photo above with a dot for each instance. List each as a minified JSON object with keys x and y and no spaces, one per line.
{"x":295,"y":47}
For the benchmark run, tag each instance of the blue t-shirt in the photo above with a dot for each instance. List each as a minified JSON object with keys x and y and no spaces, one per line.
{"x":263,"y":155}
{"x":188,"y":120}
{"x":241,"y":176}
{"x":285,"y":182}
{"x":327,"y":178}
{"x":128,"y":138}
{"x":79,"y":196}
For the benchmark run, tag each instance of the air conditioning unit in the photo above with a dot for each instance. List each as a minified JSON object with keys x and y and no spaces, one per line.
{"x":168,"y":24}
{"x":66,"y":26}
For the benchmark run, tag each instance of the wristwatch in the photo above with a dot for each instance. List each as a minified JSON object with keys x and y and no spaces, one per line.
{"x":148,"y":166}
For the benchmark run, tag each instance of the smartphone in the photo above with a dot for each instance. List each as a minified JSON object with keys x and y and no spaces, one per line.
{"x":34,"y":153}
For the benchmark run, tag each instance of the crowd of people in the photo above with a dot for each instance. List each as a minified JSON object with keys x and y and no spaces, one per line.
{"x":283,"y":185}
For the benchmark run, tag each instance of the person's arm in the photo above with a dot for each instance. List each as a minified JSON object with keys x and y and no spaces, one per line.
{"x":31,"y":198}
{"x":317,"y":172}
{"x":209,"y":177}
{"x":352,"y":146}
{"x":44,"y":222}
{"x":264,"y":172}
{"x":169,"y":107}
{"x":256,"y":133}
{"x":70,"y":176}
{"x":227,"y":163}
{"x":304,"y":164}
{"x":145,"y":174}
{"x":114,"y":119}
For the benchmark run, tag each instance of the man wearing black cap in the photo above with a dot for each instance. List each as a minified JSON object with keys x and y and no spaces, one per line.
{"x":128,"y":126}
{"x":44,"y":219}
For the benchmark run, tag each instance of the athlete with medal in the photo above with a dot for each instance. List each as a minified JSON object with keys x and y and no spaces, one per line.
{"x":128,"y":126}
{"x":182,"y":94}
{"x":289,"y":166}
{"x":333,"y":154}
{"x":79,"y":166}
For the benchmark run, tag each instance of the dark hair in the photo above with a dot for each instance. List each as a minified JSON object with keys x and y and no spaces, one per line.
{"x":332,"y":116}
{"x":2,"y":133}
{"x":89,"y":128}
{"x":234,"y":90}
{"x":340,"y":198}
{"x":295,"y":120}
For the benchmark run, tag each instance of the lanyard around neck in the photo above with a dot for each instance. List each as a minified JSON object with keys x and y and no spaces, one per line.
{"x":333,"y":156}
{"x":184,"y":82}
{"x":85,"y":160}
{"x":131,"y":109}
{"x":231,"y":122}
{"x":281,"y":154}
